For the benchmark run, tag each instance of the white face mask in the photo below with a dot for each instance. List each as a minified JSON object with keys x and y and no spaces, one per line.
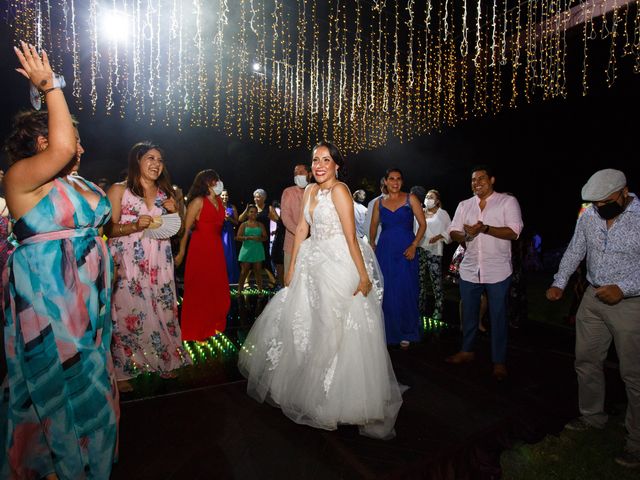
{"x":218,"y":188}
{"x":430,"y":203}
{"x":300,"y":181}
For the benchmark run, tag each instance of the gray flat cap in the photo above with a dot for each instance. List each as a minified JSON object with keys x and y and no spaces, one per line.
{"x":602,"y":184}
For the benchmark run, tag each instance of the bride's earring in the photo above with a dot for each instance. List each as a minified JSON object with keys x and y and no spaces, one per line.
{"x":336,"y":173}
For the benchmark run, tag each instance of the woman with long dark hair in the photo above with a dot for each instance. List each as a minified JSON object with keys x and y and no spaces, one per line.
{"x":396,"y":253}
{"x":318,"y":349}
{"x":59,"y":404}
{"x":146,"y":335}
{"x":206,"y":287}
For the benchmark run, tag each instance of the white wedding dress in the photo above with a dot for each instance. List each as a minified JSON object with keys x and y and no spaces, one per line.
{"x":318,"y":352}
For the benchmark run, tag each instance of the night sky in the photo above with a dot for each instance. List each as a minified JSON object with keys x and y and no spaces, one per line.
{"x":543,"y":153}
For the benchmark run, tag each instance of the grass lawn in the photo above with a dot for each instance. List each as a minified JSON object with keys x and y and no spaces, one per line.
{"x":571,"y":455}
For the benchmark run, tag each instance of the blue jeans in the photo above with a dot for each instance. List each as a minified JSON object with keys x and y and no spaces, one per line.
{"x":497,"y":294}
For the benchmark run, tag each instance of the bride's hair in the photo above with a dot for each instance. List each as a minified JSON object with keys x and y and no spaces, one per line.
{"x":335,"y":154}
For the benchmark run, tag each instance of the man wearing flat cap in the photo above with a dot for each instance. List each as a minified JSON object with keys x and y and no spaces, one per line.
{"x":608,"y":234}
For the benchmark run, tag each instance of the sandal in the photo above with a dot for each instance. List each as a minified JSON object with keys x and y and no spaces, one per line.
{"x":404,"y":344}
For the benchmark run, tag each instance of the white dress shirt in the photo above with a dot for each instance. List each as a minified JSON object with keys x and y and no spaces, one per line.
{"x":487,"y":258}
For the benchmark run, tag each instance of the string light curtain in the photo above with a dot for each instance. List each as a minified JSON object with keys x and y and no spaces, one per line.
{"x":288,"y":73}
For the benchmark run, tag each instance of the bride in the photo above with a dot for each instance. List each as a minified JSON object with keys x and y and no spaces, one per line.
{"x":318,"y":349}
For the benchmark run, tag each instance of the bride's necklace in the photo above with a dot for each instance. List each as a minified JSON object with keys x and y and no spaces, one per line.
{"x":328,"y":187}
{"x":324,"y":191}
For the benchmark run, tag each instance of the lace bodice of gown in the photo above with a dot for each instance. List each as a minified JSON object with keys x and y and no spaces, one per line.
{"x":324,"y":219}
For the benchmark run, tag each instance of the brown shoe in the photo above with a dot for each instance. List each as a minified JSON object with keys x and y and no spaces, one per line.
{"x":461,"y":357}
{"x":499,"y":371}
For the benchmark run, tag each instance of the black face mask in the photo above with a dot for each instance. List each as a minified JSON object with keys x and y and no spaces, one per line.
{"x":611,"y":209}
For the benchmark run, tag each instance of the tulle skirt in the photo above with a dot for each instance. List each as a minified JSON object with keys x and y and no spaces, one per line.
{"x":318,"y":352}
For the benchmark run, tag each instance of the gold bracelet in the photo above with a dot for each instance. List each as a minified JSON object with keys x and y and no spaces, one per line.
{"x":120,"y":228}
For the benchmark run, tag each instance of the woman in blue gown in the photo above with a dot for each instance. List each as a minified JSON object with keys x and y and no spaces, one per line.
{"x":229,"y":238}
{"x":396,"y":253}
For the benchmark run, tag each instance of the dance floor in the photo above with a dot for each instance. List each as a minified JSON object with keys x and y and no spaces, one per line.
{"x":454,"y":423}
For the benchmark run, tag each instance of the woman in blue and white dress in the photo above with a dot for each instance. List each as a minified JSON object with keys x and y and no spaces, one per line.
{"x":318,"y":350}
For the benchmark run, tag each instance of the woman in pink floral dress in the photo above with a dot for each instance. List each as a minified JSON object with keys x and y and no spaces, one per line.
{"x":146,"y":333}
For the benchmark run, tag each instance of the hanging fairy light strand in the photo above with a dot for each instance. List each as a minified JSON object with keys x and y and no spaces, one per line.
{"x":290,"y":72}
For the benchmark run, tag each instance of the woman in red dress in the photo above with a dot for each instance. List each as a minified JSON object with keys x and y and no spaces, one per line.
{"x":206,"y":288}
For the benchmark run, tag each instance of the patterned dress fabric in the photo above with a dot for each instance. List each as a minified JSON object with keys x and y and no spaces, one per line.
{"x":252,"y":250}
{"x":60,"y":401}
{"x":431,"y":281}
{"x":454,"y":266}
{"x":5,"y":250}
{"x":229,"y":244}
{"x":146,"y":333}
{"x":5,"y":246}
{"x":206,"y":286}
{"x":400,"y":303}
{"x":317,"y":351}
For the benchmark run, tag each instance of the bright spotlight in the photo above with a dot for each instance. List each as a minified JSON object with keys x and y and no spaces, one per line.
{"x":115,"y":25}
{"x":257,"y":67}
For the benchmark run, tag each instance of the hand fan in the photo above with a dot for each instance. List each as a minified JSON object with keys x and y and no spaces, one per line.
{"x":164,"y":226}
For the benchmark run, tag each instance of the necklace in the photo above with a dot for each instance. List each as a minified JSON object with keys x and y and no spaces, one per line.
{"x":327,"y":188}
{"x":325,"y":191}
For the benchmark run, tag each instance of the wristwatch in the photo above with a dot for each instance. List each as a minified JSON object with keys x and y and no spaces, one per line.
{"x":36,"y":96}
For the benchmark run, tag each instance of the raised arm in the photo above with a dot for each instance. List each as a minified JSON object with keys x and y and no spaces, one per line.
{"x":243,"y":215}
{"x":57,"y":150}
{"x":343,"y":201}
